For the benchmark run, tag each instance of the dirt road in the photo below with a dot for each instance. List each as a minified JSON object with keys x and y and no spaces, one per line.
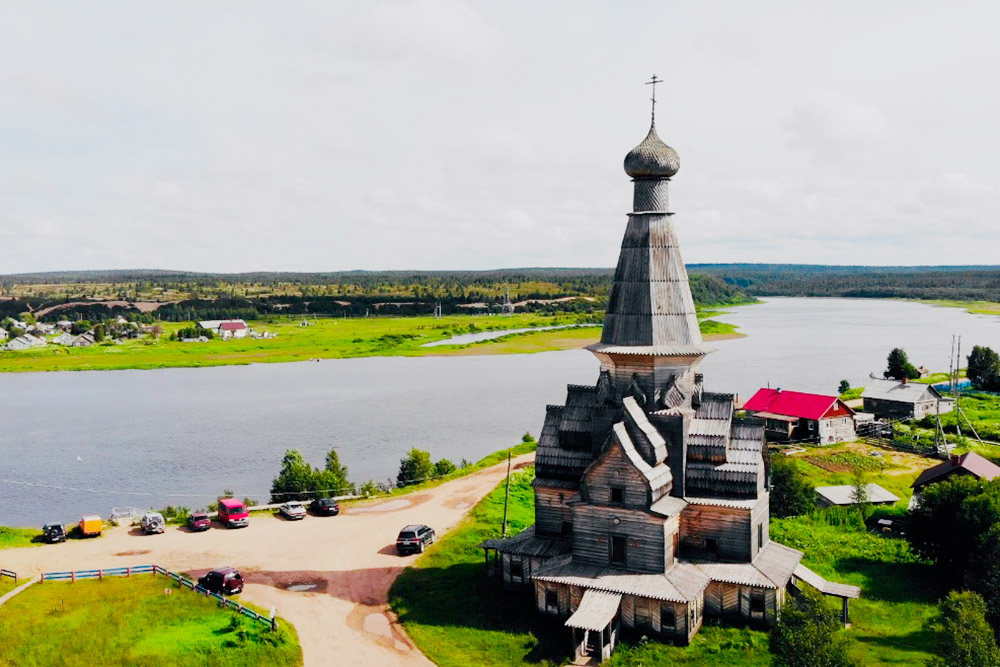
{"x":341,"y":566}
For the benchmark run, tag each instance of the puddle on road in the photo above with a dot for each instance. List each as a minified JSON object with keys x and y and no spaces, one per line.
{"x":383,"y":507}
{"x":299,"y":588}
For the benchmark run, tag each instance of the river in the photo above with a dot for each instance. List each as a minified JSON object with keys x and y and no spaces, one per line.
{"x":181,"y":436}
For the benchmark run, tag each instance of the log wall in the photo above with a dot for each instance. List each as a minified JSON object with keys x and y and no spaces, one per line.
{"x":593,"y":527}
{"x":730,"y":527}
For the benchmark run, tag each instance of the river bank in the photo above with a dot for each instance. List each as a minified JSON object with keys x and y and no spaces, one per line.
{"x":329,"y":338}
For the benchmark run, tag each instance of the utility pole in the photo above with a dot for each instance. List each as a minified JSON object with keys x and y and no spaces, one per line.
{"x":506,"y":499}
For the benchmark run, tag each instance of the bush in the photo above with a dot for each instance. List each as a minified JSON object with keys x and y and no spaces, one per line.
{"x":967,"y":639}
{"x":415,"y":467}
{"x":806,"y":635}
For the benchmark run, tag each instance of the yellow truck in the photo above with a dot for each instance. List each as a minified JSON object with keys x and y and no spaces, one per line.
{"x":91,"y":525}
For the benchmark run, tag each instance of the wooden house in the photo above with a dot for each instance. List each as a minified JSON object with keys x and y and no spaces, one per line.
{"x":969,"y":463}
{"x":798,"y":416}
{"x":893,"y":399}
{"x":225,"y":329}
{"x":651,"y":495}
{"x":846,"y":495}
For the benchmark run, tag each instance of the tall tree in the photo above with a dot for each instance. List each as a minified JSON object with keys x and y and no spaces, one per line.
{"x":414,"y":467}
{"x":806,"y":635}
{"x":899,"y":366}
{"x":332,"y":479}
{"x":295,"y":481}
{"x":967,"y":639}
{"x":984,"y":369}
{"x":791,"y":492}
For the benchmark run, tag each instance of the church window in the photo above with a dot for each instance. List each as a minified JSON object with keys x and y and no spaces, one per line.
{"x":617,"y":494}
{"x":668,"y":620}
{"x":567,"y":528}
{"x":551,"y":600}
{"x":711,"y":545}
{"x":516,"y":570}
{"x":760,"y":535}
{"x":618,"y":549}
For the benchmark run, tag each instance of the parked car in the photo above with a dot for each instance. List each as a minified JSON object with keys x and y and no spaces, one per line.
{"x":152,"y":522}
{"x":292,"y":511}
{"x":325,"y":506}
{"x":54,"y":532}
{"x":199,"y":521}
{"x":414,"y":538}
{"x":233,"y":513}
{"x":91,"y":525}
{"x":223,"y":580}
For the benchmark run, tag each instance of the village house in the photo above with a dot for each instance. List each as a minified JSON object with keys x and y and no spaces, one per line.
{"x":25,"y":342}
{"x":651,"y":495}
{"x":969,"y":463}
{"x":797,"y":416}
{"x":846,"y":495}
{"x":225,"y":329}
{"x":84,"y":340}
{"x":65,"y":338}
{"x":3,"y":334}
{"x":893,"y":399}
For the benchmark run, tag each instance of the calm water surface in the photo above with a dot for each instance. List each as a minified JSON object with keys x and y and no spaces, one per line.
{"x":180,"y":436}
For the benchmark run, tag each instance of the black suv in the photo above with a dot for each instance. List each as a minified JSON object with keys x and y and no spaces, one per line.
{"x":54,"y":532}
{"x":223,"y":580}
{"x":414,"y":539}
{"x":325,"y":506}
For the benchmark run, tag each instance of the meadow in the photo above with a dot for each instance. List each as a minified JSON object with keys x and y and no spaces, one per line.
{"x":131,"y":622}
{"x":458,"y":617}
{"x":299,"y":339}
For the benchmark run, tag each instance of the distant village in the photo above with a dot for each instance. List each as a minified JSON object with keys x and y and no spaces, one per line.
{"x":17,"y":335}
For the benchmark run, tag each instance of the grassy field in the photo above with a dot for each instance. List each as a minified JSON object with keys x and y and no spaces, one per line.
{"x":323,"y":339}
{"x":977,"y":307}
{"x":12,"y":538}
{"x":131,"y":622}
{"x":458,"y":617}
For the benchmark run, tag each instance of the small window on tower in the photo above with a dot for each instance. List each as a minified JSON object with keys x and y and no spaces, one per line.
{"x":711,"y":545}
{"x":618,"y":549}
{"x":516,"y":570}
{"x":567,"y":528}
{"x":551,"y":600}
{"x":617,"y":494}
{"x":760,"y":535}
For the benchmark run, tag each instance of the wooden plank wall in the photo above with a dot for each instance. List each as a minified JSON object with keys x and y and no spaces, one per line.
{"x":551,"y":510}
{"x":594,"y":525}
{"x":760,"y":516}
{"x":615,"y":469}
{"x":729,"y":526}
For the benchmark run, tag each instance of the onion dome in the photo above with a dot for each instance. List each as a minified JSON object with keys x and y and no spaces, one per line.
{"x":652,"y":158}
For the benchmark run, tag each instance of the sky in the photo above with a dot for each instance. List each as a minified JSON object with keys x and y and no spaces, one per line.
{"x":441,"y":134}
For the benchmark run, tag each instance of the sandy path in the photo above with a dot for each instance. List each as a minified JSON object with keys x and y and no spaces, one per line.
{"x":350,"y":559}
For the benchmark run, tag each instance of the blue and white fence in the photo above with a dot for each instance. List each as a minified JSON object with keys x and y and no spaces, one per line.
{"x":8,"y":573}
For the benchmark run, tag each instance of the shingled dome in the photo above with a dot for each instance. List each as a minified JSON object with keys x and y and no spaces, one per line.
{"x":652,"y":158}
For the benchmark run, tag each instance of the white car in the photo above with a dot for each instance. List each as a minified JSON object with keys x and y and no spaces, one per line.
{"x":292,"y":511}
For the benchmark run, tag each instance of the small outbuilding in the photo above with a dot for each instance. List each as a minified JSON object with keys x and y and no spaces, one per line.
{"x":842,"y":496}
{"x":798,"y":416}
{"x":894,"y":399}
{"x":969,"y":463}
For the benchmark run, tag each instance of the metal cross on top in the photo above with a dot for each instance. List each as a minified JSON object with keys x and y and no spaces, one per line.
{"x":652,"y":82}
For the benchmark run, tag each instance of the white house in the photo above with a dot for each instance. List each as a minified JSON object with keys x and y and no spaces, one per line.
{"x":65,"y":338}
{"x":3,"y":334}
{"x":225,"y":329}
{"x":25,"y":342}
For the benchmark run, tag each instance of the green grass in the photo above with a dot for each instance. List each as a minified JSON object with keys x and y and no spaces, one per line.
{"x":323,"y":339}
{"x":852,"y":394}
{"x":7,"y":585}
{"x":327,"y":339}
{"x":899,"y":592}
{"x":14,"y":538}
{"x":131,"y":622}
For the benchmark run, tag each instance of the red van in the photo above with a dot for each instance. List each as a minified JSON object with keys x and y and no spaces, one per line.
{"x":233,"y":513}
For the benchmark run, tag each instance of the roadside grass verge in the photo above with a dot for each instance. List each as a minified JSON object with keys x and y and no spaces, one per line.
{"x":132,"y":622}
{"x":7,"y":585}
{"x":14,"y":538}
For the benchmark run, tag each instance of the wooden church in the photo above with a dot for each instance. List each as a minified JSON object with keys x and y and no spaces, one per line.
{"x":651,"y":496}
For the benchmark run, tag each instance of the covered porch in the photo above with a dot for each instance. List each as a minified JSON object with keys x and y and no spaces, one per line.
{"x":842,"y":591}
{"x":595,"y":624}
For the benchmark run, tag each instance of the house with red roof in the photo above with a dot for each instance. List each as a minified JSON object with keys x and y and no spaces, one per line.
{"x":225,"y":329}
{"x":798,"y":416}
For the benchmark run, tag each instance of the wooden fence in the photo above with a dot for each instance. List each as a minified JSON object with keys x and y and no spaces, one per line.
{"x":8,"y":573}
{"x":75,"y":575}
